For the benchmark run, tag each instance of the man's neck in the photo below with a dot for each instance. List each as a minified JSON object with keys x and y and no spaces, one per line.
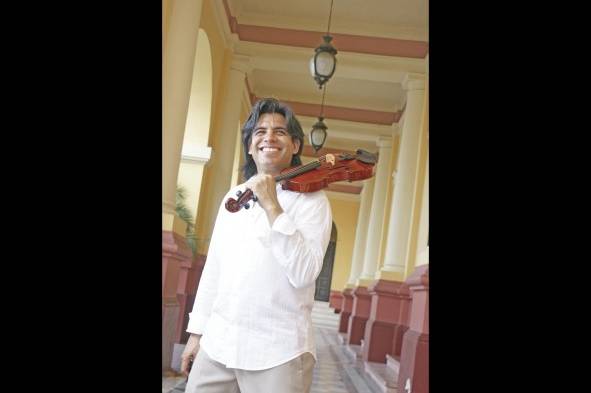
{"x":269,"y":172}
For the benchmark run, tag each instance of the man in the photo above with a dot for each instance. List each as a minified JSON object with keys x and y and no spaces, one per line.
{"x":251,"y":329}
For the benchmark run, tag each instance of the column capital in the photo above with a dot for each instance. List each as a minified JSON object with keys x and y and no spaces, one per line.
{"x":200,"y":154}
{"x":413,"y":81}
{"x":241,"y":63}
{"x":384,"y":141}
{"x":395,"y":129}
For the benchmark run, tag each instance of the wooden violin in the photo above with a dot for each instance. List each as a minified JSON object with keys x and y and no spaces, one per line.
{"x":316,"y":175}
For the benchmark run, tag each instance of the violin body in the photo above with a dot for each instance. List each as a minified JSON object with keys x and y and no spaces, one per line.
{"x":316,"y":175}
{"x":319,"y":178}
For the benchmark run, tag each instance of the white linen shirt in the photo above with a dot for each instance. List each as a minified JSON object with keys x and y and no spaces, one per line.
{"x":254,"y":301}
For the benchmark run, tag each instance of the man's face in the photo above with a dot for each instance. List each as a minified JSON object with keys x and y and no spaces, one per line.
{"x":271,"y":146}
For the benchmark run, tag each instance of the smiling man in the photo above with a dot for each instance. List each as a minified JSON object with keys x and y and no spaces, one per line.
{"x":251,"y":328}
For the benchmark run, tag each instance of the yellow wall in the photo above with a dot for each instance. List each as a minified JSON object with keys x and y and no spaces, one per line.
{"x":166,"y":11}
{"x":344,"y":215}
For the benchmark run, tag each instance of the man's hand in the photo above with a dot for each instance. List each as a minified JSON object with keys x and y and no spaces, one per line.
{"x":190,"y":353}
{"x":263,"y":187}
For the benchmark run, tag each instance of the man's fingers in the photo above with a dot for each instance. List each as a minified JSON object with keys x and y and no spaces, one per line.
{"x":185,"y":366}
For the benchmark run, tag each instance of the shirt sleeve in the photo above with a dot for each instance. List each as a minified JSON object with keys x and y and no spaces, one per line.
{"x":208,"y":284}
{"x":299,"y":241}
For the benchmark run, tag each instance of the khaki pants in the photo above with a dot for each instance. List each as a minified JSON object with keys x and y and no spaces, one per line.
{"x":209,"y":376}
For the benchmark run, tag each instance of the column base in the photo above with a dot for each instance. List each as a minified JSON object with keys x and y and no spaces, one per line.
{"x":414,"y":362}
{"x":390,"y":275}
{"x":346,"y":308}
{"x":359,"y":315}
{"x":190,"y":275}
{"x":378,"y":340}
{"x":170,"y":316}
{"x":175,"y":254}
{"x":385,"y":313}
{"x":344,"y":321}
{"x":185,"y":305}
{"x":398,"y":339}
{"x":356,"y":329}
{"x":335,"y":301}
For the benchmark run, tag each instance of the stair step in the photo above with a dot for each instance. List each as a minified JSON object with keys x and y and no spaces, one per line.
{"x":353,"y":351}
{"x":324,"y":317}
{"x":393,"y":363}
{"x":384,"y":377}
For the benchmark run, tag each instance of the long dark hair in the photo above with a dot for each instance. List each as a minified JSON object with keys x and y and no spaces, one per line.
{"x":269,"y":105}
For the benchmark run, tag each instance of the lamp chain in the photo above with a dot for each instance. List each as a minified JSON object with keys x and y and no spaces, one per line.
{"x":322,"y":105}
{"x":329,"y":16}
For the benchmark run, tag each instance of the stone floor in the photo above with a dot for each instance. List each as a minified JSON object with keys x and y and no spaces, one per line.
{"x":335,"y":371}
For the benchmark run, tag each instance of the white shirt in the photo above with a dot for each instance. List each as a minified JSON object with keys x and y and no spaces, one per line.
{"x":254,"y":301}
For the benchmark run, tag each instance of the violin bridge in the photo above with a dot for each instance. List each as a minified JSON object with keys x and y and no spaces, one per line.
{"x":330,"y":158}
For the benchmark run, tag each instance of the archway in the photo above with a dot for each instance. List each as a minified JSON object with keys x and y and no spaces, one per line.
{"x":195,"y":151}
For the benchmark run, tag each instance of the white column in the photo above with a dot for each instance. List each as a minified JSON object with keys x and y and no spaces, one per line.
{"x":395,"y":257}
{"x":177,"y":73}
{"x":374,"y":228}
{"x":228,"y":125}
{"x":423,"y":236}
{"x":361,"y":232}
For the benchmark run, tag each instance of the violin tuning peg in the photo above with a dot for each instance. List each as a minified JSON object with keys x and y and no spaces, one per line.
{"x":238,"y":193}
{"x":247,"y":206}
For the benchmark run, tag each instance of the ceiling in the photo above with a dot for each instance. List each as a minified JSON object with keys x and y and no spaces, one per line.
{"x":378,"y":43}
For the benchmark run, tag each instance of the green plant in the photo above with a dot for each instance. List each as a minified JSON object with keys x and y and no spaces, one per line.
{"x":185,"y":214}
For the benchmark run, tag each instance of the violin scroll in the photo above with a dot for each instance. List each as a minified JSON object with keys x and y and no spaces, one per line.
{"x":234,"y":205}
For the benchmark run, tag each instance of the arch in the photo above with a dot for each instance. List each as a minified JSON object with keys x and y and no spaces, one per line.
{"x":195,"y":151}
{"x":200,"y":102}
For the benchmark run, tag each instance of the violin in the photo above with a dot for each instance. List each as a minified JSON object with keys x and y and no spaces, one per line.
{"x":315,"y":175}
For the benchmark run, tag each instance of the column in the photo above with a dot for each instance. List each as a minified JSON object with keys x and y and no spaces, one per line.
{"x":361,"y":232}
{"x":358,"y":252}
{"x":361,"y":297}
{"x":178,"y":59}
{"x":219,"y":169}
{"x":376,"y":218}
{"x":397,"y":240}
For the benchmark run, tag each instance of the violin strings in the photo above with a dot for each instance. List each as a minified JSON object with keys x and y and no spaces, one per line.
{"x":302,"y":169}
{"x":296,"y":171}
{"x":310,"y":165}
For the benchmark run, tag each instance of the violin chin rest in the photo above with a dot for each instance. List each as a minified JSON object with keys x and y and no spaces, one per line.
{"x":366,"y":157}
